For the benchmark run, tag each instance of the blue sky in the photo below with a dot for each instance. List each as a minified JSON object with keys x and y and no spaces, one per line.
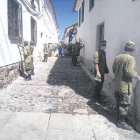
{"x":65,"y":14}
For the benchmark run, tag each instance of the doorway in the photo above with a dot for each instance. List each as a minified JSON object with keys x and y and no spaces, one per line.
{"x":100,"y":35}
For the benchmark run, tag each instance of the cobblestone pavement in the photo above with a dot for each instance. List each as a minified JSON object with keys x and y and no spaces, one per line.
{"x":55,"y":87}
{"x":58,"y":104}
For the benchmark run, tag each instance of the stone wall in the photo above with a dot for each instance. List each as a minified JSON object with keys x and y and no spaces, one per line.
{"x":8,"y":74}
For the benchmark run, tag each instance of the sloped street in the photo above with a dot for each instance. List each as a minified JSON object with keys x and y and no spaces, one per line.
{"x":56,"y":105}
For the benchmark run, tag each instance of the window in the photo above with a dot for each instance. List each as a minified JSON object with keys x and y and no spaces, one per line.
{"x":33,"y":30}
{"x":80,"y":11}
{"x":91,"y":4}
{"x":83,"y":6}
{"x":14,"y":19}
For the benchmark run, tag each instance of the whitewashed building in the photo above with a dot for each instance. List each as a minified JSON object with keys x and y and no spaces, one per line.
{"x":116,"y":21}
{"x":67,"y":31}
{"x":24,"y":20}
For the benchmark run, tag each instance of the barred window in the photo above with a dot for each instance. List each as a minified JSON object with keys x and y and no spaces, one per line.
{"x":14,"y":19}
{"x":33,"y":30}
{"x":91,"y":4}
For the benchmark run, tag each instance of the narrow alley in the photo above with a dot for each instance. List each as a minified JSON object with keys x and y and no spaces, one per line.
{"x":55,"y":105}
{"x":69,"y":70}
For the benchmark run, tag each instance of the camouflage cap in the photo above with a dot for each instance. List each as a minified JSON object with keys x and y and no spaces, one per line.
{"x":103,"y":43}
{"x":130,"y":46}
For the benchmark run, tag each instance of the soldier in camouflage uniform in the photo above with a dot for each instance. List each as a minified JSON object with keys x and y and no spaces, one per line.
{"x":46,"y":52}
{"x":49,"y":49}
{"x":100,"y":68}
{"x":27,"y":59}
{"x":31,"y":53}
{"x":76,"y":52}
{"x":124,"y":70}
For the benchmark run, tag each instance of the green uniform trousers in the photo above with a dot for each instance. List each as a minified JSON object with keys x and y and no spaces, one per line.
{"x":123,"y":101}
{"x":98,"y":87}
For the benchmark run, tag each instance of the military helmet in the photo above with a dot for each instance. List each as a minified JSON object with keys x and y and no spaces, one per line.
{"x":130,"y":46}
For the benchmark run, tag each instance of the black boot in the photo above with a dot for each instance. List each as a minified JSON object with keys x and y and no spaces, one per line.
{"x":97,"y":96}
{"x":122,"y":124}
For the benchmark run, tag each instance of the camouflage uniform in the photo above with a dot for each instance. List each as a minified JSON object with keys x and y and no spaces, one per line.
{"x":124,"y":70}
{"x":31,"y":47}
{"x":46,"y":52}
{"x":27,"y":60}
{"x":76,"y":52}
{"x":49,"y":50}
{"x":76,"y":49}
{"x":100,"y":59}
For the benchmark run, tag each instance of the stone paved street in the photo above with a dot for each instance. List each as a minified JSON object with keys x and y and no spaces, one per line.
{"x":56,"y":105}
{"x":52,"y":89}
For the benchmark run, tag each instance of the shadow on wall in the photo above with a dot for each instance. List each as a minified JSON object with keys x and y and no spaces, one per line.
{"x":64,"y":73}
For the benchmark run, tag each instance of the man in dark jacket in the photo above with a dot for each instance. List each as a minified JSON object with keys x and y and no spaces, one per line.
{"x":100,"y":69}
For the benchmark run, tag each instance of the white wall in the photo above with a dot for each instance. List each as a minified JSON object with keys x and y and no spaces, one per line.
{"x":47,"y":26}
{"x":122,"y":23}
{"x":9,"y":52}
{"x":66,"y":40}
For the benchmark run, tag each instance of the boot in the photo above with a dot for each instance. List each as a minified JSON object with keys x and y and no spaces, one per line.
{"x":97,"y":96}
{"x":28,"y":78}
{"x":122,"y":124}
{"x":33,"y":73}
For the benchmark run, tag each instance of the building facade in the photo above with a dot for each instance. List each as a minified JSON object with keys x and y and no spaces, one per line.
{"x":70,"y":34}
{"x":113,"y":21}
{"x":24,"y":20}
